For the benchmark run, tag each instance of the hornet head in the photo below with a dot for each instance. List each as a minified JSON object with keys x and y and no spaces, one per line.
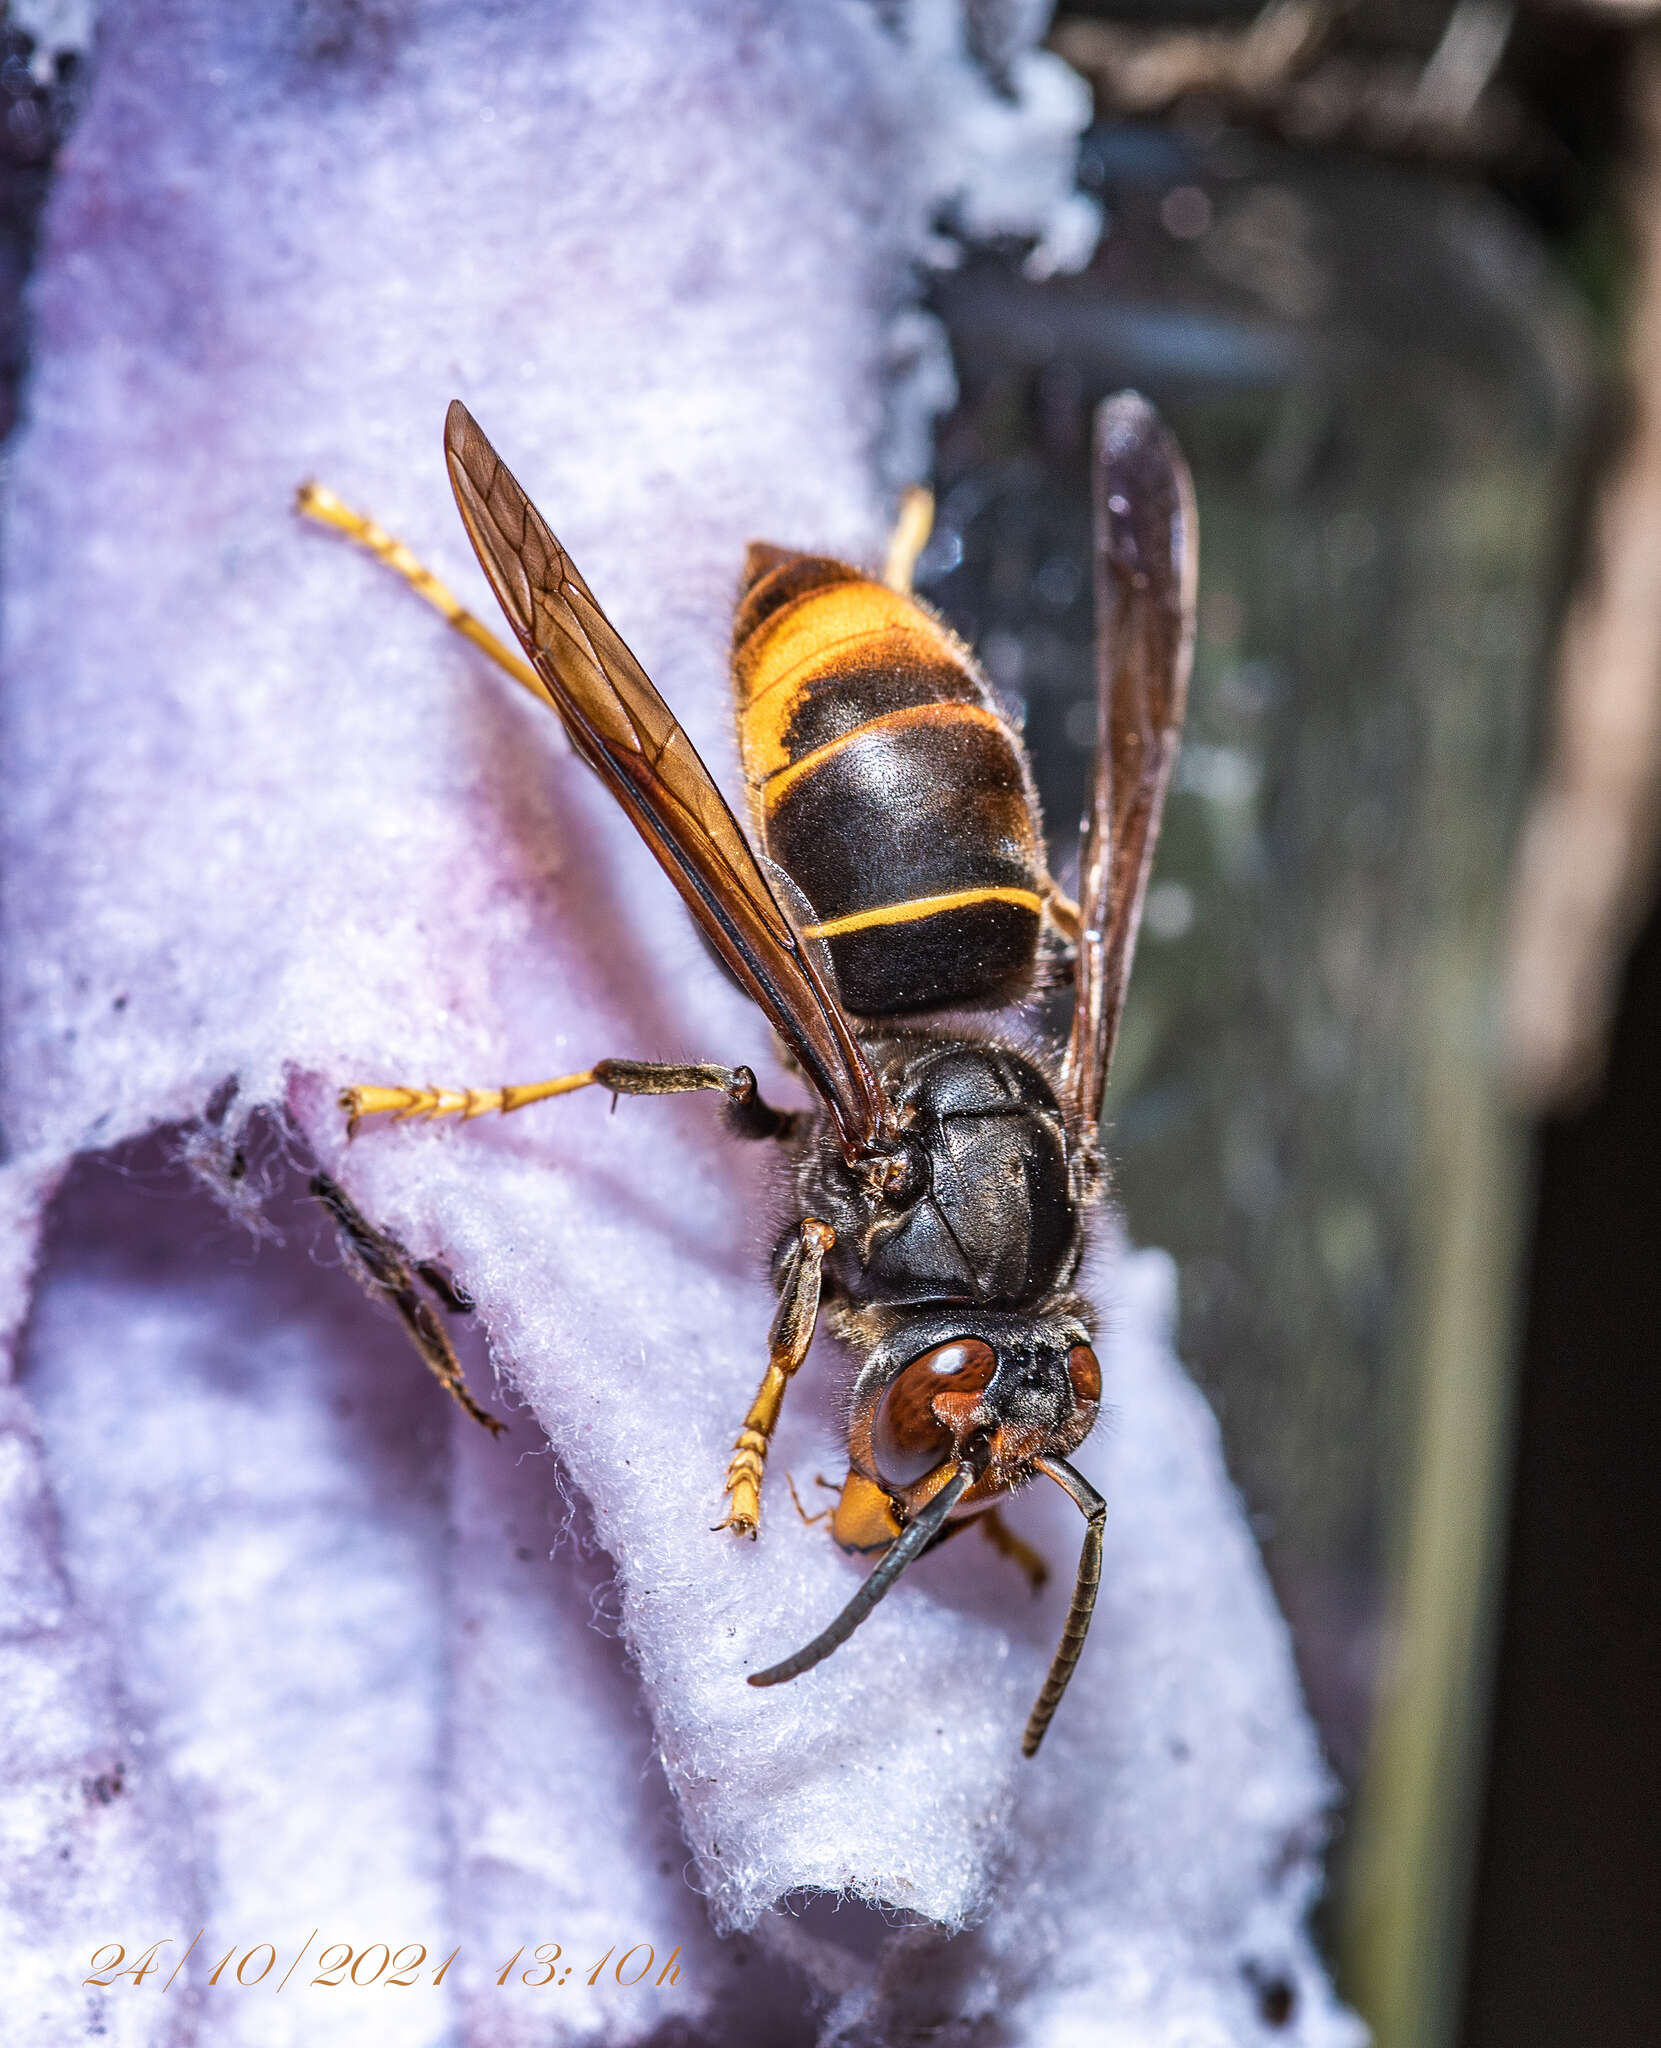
{"x":950,"y":1411}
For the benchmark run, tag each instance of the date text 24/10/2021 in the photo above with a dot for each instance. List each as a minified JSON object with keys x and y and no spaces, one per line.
{"x":340,"y":1963}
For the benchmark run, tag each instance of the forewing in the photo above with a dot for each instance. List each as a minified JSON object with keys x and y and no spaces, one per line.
{"x":630,"y":737}
{"x":1146,"y":542}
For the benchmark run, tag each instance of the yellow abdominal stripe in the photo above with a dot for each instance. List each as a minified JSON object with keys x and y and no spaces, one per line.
{"x":918,"y":907}
{"x":811,"y":639}
{"x":821,"y":621}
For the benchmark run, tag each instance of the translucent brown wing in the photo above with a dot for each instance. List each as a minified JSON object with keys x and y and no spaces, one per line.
{"x":630,"y":737}
{"x":1146,"y":542}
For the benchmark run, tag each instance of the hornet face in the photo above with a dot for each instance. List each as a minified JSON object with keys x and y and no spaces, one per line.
{"x":994,"y":1397}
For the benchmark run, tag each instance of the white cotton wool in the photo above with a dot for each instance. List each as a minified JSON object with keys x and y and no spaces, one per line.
{"x":353,"y":1697}
{"x":265,"y":819}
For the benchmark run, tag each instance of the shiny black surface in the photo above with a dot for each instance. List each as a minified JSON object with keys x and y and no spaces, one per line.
{"x":994,"y":1222}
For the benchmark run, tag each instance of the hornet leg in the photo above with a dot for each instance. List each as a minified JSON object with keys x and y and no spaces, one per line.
{"x":1003,"y":1540}
{"x":1019,"y":1552}
{"x":787,"y":1343}
{"x":317,"y":502}
{"x":383,"y":1265}
{"x":909,"y":538}
{"x":748,"y":1115}
{"x":824,"y":1514}
{"x":1062,"y":911}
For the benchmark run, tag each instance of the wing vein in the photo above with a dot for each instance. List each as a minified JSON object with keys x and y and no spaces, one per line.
{"x":623,"y":729}
{"x":1145,"y":558}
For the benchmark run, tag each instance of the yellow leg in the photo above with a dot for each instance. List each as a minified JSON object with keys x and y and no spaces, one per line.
{"x":621,"y":1077}
{"x":824,"y":1514}
{"x":1007,"y":1544}
{"x":404,"y":1103}
{"x":787,"y":1344}
{"x":909,"y":538}
{"x":317,"y":502}
{"x":1062,"y":911}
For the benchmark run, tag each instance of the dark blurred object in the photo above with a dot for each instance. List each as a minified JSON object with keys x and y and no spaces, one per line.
{"x":1566,"y":1945}
{"x":1558,"y":106}
{"x":1586,"y":866}
{"x":1383,"y":395}
{"x":34,"y":115}
{"x":1522,"y":95}
{"x":1299,"y":69}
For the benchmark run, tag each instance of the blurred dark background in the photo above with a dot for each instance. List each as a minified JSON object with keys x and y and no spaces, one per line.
{"x":1565,"y":1937}
{"x":1552,"y":112}
{"x":1322,"y":222}
{"x":1565,"y":1944}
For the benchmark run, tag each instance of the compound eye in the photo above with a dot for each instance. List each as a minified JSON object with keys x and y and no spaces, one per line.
{"x":1085,"y":1373}
{"x":913,"y":1431}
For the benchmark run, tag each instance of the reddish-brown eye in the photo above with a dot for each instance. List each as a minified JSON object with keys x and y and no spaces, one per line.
{"x":1085,"y":1373}
{"x":912,"y":1432}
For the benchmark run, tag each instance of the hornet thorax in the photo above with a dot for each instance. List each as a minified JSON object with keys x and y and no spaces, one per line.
{"x":990,"y":1217}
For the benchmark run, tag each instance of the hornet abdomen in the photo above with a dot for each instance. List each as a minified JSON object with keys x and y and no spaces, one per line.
{"x":884,"y":782}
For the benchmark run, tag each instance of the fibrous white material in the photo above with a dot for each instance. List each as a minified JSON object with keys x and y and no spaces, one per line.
{"x":999,"y":162}
{"x":59,"y":28}
{"x":265,"y":820}
{"x":347,"y":1692}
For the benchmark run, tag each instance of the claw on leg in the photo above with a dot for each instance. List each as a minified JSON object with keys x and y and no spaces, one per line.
{"x":744,"y":1470}
{"x":787,"y":1341}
